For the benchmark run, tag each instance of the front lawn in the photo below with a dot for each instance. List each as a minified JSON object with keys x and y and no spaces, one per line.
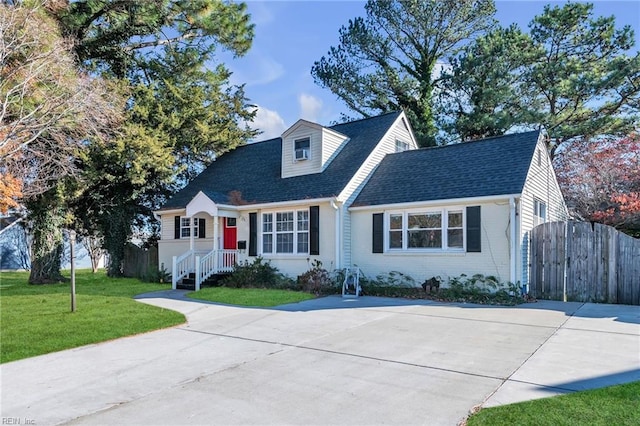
{"x":258,"y":297}
{"x":37,"y":319}
{"x":616,"y":405}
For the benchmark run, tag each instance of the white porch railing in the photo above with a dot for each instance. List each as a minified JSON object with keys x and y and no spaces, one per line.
{"x":203,"y":265}
{"x":181,"y":267}
{"x":214,"y":262}
{"x":227,"y":260}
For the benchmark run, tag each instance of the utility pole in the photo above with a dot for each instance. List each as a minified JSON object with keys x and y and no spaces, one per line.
{"x":72,"y":243}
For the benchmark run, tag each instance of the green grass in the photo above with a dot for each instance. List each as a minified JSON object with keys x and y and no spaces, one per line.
{"x":616,"y":405}
{"x":37,"y":319}
{"x":250,"y":296}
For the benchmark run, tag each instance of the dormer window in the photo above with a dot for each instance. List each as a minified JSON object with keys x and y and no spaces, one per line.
{"x":401,"y":146}
{"x":302,"y":149}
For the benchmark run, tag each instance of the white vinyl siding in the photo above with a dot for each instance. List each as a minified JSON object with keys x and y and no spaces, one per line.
{"x":167,"y":225}
{"x":386,"y":146}
{"x":290,"y":166}
{"x":323,"y":145}
{"x":541,"y":185}
{"x":424,"y":263}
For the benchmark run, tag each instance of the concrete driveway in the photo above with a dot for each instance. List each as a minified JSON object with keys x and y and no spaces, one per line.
{"x":328,"y":361}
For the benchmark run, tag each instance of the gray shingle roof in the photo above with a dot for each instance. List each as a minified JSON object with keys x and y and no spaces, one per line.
{"x":254,"y":170}
{"x":486,"y":167}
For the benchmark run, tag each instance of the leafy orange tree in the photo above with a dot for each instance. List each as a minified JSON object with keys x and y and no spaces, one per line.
{"x":10,"y":192}
{"x":600,"y":180}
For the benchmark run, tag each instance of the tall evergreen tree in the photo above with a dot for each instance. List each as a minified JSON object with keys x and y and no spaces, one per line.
{"x":179,"y":114}
{"x":182,"y":113}
{"x":572,"y":74}
{"x":387,"y":60}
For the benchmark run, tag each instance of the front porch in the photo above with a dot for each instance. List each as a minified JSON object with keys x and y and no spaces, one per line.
{"x":200,"y":266}
{"x":202,"y":222}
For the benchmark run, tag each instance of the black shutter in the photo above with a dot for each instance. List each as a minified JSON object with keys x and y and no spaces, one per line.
{"x":314,"y":230}
{"x":378,"y":233}
{"x":202,"y":226}
{"x":176,"y":231}
{"x":474,"y":241}
{"x":253,"y":234}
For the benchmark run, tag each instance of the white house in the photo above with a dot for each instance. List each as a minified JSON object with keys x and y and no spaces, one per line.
{"x":362,"y":193}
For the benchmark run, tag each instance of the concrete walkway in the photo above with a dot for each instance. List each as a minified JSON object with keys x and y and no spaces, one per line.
{"x":328,"y":361}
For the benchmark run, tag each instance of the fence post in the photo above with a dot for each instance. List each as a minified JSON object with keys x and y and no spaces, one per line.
{"x":197,"y":273}
{"x":174,"y":272}
{"x":612,"y":268}
{"x":565,"y":260}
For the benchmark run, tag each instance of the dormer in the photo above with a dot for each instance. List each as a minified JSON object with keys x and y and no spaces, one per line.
{"x":308,"y":148}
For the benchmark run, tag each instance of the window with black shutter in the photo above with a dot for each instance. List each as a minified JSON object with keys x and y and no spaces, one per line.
{"x":378,"y":233}
{"x":474,"y":240}
{"x":253,"y":234}
{"x":314,"y":228}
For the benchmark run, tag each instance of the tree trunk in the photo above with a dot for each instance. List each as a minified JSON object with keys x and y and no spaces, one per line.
{"x":45,"y":269}
{"x":47,"y":220}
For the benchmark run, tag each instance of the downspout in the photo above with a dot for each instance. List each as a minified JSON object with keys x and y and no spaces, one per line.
{"x":338,"y":210}
{"x":513,"y":238}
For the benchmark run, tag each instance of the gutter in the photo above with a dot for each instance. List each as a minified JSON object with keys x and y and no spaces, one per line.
{"x":445,"y":201}
{"x":513,"y":242}
{"x":338,"y":224}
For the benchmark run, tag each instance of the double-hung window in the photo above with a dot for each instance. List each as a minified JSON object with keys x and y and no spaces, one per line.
{"x":426,"y":230}
{"x":401,"y":146}
{"x":539,"y":212}
{"x":267,"y":233}
{"x":285,"y":232}
{"x":186,"y":228}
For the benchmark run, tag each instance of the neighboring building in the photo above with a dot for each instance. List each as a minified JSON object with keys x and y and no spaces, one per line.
{"x":14,"y":254}
{"x":15,"y":250}
{"x":362,"y":193}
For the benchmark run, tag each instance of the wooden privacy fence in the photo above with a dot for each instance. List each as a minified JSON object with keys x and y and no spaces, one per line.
{"x":139,"y":262}
{"x":581,"y":262}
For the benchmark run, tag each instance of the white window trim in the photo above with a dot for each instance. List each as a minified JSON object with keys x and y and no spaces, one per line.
{"x":444,"y":212}
{"x":274,"y":232}
{"x":405,"y":146}
{"x":537,"y":218}
{"x":192,"y":227}
{"x":299,"y":139}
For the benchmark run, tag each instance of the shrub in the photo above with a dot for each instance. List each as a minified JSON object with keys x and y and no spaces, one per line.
{"x":257,"y":274}
{"x":393,"y":284}
{"x":317,"y":280}
{"x":153,"y":275}
{"x":480,"y":289}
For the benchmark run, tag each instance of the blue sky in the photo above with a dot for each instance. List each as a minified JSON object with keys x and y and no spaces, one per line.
{"x":291,"y":35}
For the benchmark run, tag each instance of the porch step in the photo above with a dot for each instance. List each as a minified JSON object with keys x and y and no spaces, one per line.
{"x":189,"y":282}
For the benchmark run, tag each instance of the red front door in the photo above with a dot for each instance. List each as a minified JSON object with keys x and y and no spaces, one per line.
{"x":230,"y":233}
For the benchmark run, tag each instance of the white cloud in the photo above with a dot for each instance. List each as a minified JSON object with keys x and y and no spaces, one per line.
{"x":269,"y":123}
{"x":261,"y":13}
{"x":310,"y":107}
